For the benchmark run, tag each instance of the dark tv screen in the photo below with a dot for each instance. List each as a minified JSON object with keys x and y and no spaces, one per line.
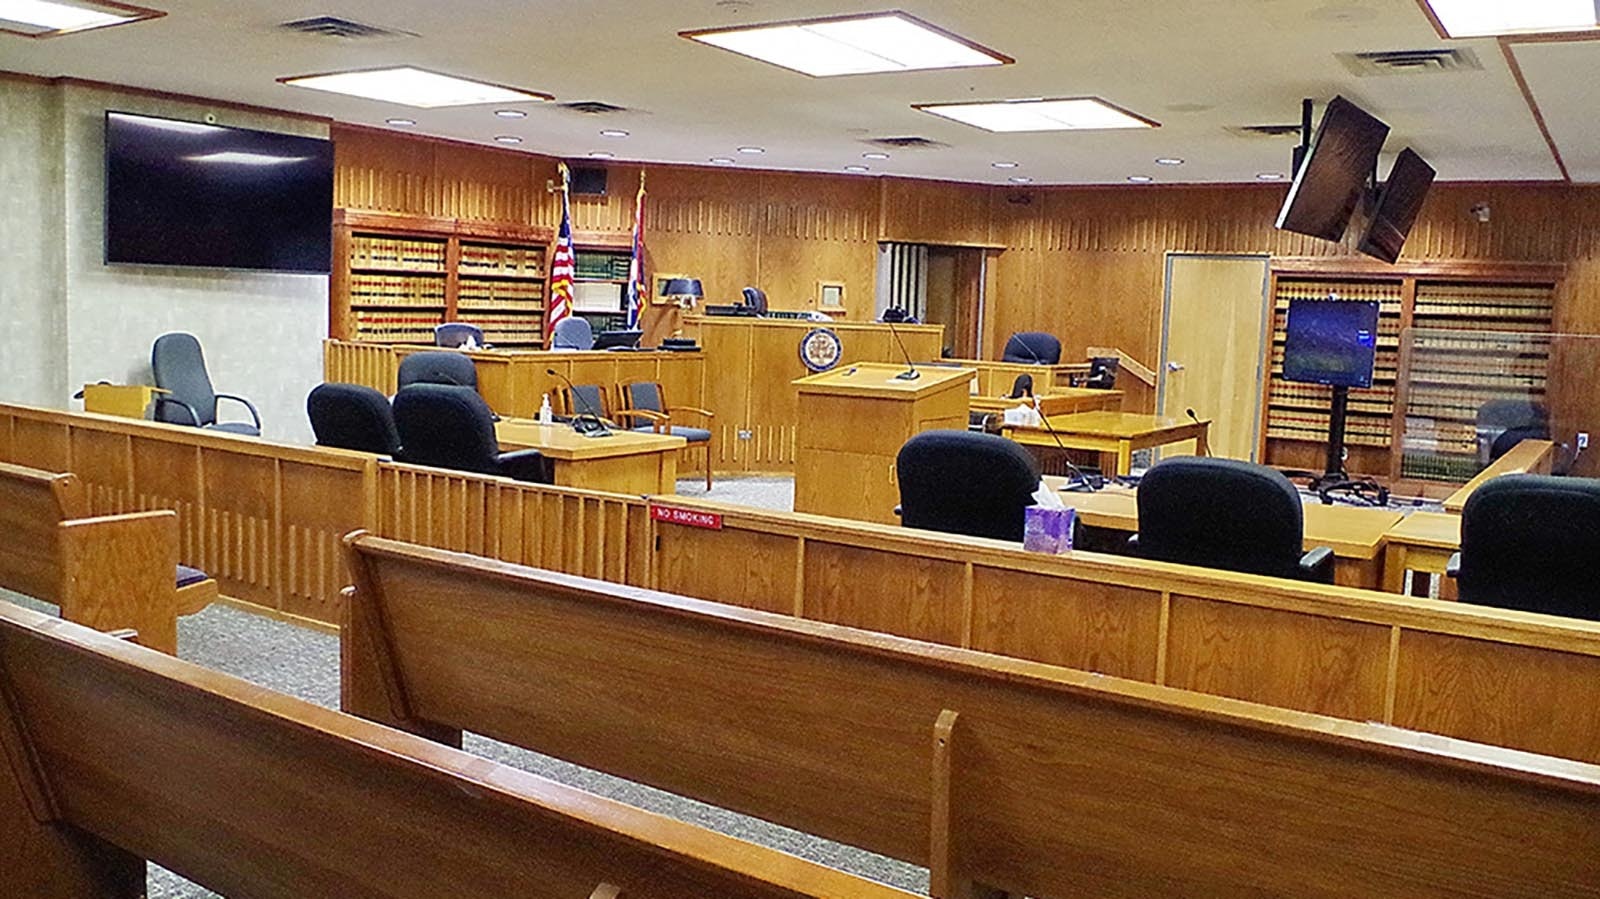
{"x":1333,"y":177}
{"x":1331,"y":342}
{"x":191,"y":194}
{"x":1398,"y":205}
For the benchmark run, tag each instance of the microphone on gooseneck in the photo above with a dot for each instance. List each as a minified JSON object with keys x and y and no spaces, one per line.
{"x":911,"y":373}
{"x":1077,"y":473}
{"x":595,"y":427}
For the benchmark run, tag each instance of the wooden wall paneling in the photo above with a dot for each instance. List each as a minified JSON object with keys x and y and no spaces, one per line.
{"x":110,"y":456}
{"x":238,"y":520}
{"x":166,"y":475}
{"x":320,"y":504}
{"x":1079,"y":624}
{"x":914,"y":596}
{"x":774,"y":403}
{"x":481,"y":184}
{"x":936,"y":212}
{"x":707,"y":224}
{"x":383,"y":172}
{"x":1276,"y":657}
{"x":370,"y":364}
{"x":725,"y":389}
{"x":818,"y":228}
{"x":1536,"y":699}
{"x":752,"y":569}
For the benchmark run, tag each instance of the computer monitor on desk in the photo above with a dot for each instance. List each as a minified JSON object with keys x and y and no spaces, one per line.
{"x":617,"y":340}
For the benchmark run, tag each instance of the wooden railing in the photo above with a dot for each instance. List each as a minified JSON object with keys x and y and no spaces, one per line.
{"x":1506,"y":678}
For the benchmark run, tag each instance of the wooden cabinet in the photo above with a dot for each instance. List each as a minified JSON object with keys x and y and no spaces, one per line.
{"x":396,"y":277}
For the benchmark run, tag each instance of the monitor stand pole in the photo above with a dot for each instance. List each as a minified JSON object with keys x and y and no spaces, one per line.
{"x":1334,"y":470}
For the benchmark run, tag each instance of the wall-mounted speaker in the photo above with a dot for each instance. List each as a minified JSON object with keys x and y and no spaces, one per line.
{"x":588,"y":180}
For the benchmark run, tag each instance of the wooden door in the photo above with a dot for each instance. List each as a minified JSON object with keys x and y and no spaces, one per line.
{"x":1213,"y":345}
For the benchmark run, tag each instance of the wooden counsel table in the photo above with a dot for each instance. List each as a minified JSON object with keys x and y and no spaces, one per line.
{"x":1356,"y":535}
{"x":624,"y":462}
{"x":853,"y":421}
{"x":1114,"y":433}
{"x":1423,"y":542}
{"x":1059,"y":401}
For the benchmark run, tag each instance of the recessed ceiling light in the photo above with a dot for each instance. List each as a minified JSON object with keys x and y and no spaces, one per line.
{"x":1269,"y":176}
{"x":721,"y":160}
{"x":507,"y":139}
{"x":613,"y":132}
{"x":402,"y":122}
{"x":875,"y":155}
{"x":510,"y":113}
{"x":852,"y":45}
{"x":1020,"y":179}
{"x":1066,"y":114}
{"x":49,"y":18}
{"x":1004,"y":165}
{"x":410,"y":86}
{"x":1140,"y":179}
{"x":601,"y":154}
{"x":856,"y":168}
{"x":1169,"y":160}
{"x":1482,"y":18}
{"x":752,"y":150}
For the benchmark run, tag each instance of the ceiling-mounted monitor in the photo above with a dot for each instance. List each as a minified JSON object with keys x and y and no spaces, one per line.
{"x":196,"y":194}
{"x":1398,"y":204}
{"x":1333,"y":177}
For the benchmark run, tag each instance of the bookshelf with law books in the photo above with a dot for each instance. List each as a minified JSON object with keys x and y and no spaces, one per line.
{"x":1447,"y":344}
{"x":397,"y":277}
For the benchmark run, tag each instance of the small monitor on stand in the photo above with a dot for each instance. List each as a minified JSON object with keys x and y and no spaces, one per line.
{"x":1333,"y":342}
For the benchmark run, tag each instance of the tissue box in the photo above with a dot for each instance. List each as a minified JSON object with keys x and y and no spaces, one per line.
{"x":1047,"y":530}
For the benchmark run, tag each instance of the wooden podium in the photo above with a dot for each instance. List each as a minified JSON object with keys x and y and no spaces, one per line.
{"x":853,"y":421}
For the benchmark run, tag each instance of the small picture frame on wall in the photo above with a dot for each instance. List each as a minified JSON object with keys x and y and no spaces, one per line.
{"x":830,"y":296}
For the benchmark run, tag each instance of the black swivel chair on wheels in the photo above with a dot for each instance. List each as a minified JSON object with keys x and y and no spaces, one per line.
{"x":180,"y":369}
{"x":960,"y":482}
{"x":1529,"y":542}
{"x":437,"y":367}
{"x":452,"y":427}
{"x":353,"y":417}
{"x":1032,"y":348}
{"x":1220,"y":513}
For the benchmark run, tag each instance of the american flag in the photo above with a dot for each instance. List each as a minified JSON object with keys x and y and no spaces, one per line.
{"x":638,"y":287}
{"x":561,"y":267}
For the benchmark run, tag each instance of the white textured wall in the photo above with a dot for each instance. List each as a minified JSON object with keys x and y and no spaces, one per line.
{"x":32,"y":277}
{"x":262,"y":333}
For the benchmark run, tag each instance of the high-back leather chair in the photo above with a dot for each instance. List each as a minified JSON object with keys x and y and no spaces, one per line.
{"x":572,"y":333}
{"x":1032,"y":348}
{"x":452,"y":427}
{"x":756,"y":298}
{"x":456,"y":334}
{"x":1530,"y":542}
{"x":961,"y":482}
{"x":437,"y":367}
{"x":1226,"y":514}
{"x":353,"y":417}
{"x":180,"y":369}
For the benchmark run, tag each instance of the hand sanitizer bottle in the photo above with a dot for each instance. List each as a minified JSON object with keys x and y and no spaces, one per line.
{"x":545,"y":415}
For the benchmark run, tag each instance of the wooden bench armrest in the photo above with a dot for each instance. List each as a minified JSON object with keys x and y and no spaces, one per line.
{"x":118,"y":571}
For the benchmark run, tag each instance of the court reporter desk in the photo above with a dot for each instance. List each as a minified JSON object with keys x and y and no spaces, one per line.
{"x":853,"y":421}
{"x":623,"y":461}
{"x":1114,"y":434}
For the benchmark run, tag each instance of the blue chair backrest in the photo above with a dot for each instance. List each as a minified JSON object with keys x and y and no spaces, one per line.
{"x":180,"y":368}
{"x":645,"y":395}
{"x":572,"y":333}
{"x":455,"y":334}
{"x":587,"y":399}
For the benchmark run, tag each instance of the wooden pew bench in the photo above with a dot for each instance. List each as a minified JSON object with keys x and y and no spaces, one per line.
{"x":107,"y":572}
{"x":997,"y":772}
{"x":118,"y":754}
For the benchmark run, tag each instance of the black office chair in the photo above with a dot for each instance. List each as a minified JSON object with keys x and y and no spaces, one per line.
{"x":1502,"y":424}
{"x":353,"y":417}
{"x":893,"y":314}
{"x":1530,"y":542}
{"x":452,"y":427}
{"x":1102,"y":373}
{"x":437,"y":367}
{"x":180,"y":369}
{"x":961,"y":482}
{"x":1033,"y":348}
{"x":756,"y":298}
{"x":1021,"y":387}
{"x":456,"y":334}
{"x":1221,"y":513}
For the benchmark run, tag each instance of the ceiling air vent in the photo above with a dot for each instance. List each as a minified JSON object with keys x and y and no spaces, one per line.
{"x":342,"y":29}
{"x":1410,"y":62}
{"x":593,"y":107}
{"x":907,"y":143}
{"x":1265,"y":130}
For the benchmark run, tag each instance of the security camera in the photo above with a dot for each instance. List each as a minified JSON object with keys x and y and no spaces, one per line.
{"x":1480,"y":212}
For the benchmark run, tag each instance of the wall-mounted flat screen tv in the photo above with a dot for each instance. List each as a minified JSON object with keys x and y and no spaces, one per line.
{"x":1333,"y":177}
{"x":1331,"y":342}
{"x":192,"y":194}
{"x":1398,"y":204}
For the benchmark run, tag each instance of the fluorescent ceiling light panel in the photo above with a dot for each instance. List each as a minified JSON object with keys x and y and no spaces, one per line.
{"x":410,"y":86}
{"x":852,"y":45}
{"x":234,"y":157}
{"x":48,"y":18}
{"x":1069,"y":114}
{"x":1483,"y":18}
